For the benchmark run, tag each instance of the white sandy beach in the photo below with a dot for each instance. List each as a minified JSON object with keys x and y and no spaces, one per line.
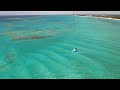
{"x":96,"y":17}
{"x":105,"y":18}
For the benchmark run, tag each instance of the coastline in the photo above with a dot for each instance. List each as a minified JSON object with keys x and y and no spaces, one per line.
{"x":98,"y":17}
{"x":105,"y":18}
{"x":112,"y":17}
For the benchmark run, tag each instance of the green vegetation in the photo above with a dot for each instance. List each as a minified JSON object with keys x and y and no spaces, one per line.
{"x":108,"y":16}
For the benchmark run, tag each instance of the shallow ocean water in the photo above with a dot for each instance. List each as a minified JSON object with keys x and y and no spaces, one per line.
{"x":39,"y":47}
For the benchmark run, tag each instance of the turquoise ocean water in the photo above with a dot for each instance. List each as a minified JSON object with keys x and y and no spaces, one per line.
{"x":39,"y":47}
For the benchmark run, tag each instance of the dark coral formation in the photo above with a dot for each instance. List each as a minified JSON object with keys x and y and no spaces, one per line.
{"x":29,"y":37}
{"x":10,"y":56}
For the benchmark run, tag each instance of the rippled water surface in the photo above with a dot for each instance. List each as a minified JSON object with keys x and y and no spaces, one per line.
{"x":40,"y":47}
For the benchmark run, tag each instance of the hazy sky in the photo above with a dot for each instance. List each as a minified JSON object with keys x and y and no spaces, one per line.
{"x":34,"y":12}
{"x":55,"y":12}
{"x":97,"y":12}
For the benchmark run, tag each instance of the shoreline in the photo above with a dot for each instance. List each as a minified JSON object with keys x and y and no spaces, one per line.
{"x":105,"y":18}
{"x":98,"y":17}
